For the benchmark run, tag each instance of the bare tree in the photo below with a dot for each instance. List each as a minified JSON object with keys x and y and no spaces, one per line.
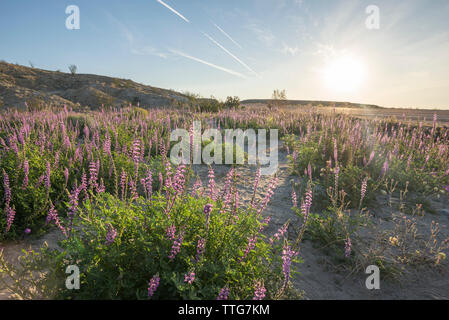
{"x":73,"y":69}
{"x":279,"y":97}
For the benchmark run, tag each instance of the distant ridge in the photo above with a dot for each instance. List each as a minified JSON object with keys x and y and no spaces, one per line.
{"x":314,"y":103}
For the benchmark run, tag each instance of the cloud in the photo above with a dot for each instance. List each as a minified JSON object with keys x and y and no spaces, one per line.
{"x":230,"y":54}
{"x":131,"y":40}
{"x":265,"y":36}
{"x":228,"y":36}
{"x":289,"y":50}
{"x":173,"y":10}
{"x":232,"y":72}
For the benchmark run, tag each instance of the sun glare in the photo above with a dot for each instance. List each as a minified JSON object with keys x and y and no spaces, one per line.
{"x":344,"y":74}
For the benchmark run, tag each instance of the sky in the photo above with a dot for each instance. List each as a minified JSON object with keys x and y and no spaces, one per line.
{"x":395,"y":55}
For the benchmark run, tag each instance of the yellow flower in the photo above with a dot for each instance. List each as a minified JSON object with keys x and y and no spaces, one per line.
{"x":394,"y":241}
{"x":441,"y":256}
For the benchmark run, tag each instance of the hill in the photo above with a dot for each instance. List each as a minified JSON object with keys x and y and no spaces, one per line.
{"x":20,"y":84}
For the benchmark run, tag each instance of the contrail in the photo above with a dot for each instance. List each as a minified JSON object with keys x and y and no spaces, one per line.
{"x":173,"y":10}
{"x":235,"y":73}
{"x":228,"y":36}
{"x":229,"y":53}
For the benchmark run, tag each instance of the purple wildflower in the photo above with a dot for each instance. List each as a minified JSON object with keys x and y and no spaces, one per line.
{"x":26,"y":170}
{"x":287,"y":256}
{"x":280,"y":233}
{"x":47,"y":177}
{"x":294,"y":199}
{"x":171,"y":231}
{"x":259,"y":291}
{"x":200,"y":248}
{"x":152,"y":286}
{"x":176,"y":247}
{"x":111,"y":235}
{"x":250,"y":246}
{"x":211,"y":186}
{"x":348,"y":247}
{"x":363,"y":190}
{"x":189,"y":278}
{"x":224,"y":294}
{"x":53,"y":216}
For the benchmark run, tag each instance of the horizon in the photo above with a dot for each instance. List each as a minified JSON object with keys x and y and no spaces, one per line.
{"x":247,"y":49}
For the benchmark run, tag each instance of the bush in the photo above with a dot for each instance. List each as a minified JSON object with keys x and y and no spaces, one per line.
{"x":119,"y":246}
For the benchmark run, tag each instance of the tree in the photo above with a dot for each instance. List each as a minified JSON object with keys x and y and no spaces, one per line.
{"x":73,"y":69}
{"x":279,"y":97}
{"x":232,"y":102}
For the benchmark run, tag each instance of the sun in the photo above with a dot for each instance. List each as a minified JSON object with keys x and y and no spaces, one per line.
{"x":344,"y":74}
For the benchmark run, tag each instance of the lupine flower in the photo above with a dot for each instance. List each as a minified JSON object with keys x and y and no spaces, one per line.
{"x":287,"y":256}
{"x":147,"y":182}
{"x":348,"y":247}
{"x":227,"y":185}
{"x":47,"y":177}
{"x":446,"y":188}
{"x":294,"y":199}
{"x":280,"y":233}
{"x":73,"y":209}
{"x":224,"y":294}
{"x":270,"y":192}
{"x":6,"y":188}
{"x":179,"y":179}
{"x":93,"y":175}
{"x":123,"y":183}
{"x":259,"y":290}
{"x":250,"y":246}
{"x":200,"y":248}
{"x":307,"y":203}
{"x":152,"y":286}
{"x":189,"y":278}
{"x":363,"y":190}
{"x":26,"y":170}
{"x":335,"y":151}
{"x":211,"y":186}
{"x":197,"y":186}
{"x":207,"y":210}
{"x":176,"y":247}
{"x":53,"y":216}
{"x":111,"y":235}
{"x":170,"y":232}
{"x":10,"y":214}
{"x":27,"y":231}
{"x":133,"y":188}
{"x":264,"y":223}
{"x":337,"y":173}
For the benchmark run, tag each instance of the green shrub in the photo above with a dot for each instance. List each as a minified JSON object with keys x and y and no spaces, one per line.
{"x":141,"y":249}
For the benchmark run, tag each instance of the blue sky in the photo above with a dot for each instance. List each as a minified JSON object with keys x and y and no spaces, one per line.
{"x":246,"y":48}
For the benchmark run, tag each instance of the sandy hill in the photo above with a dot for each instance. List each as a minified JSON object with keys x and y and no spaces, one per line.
{"x":20,"y":84}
